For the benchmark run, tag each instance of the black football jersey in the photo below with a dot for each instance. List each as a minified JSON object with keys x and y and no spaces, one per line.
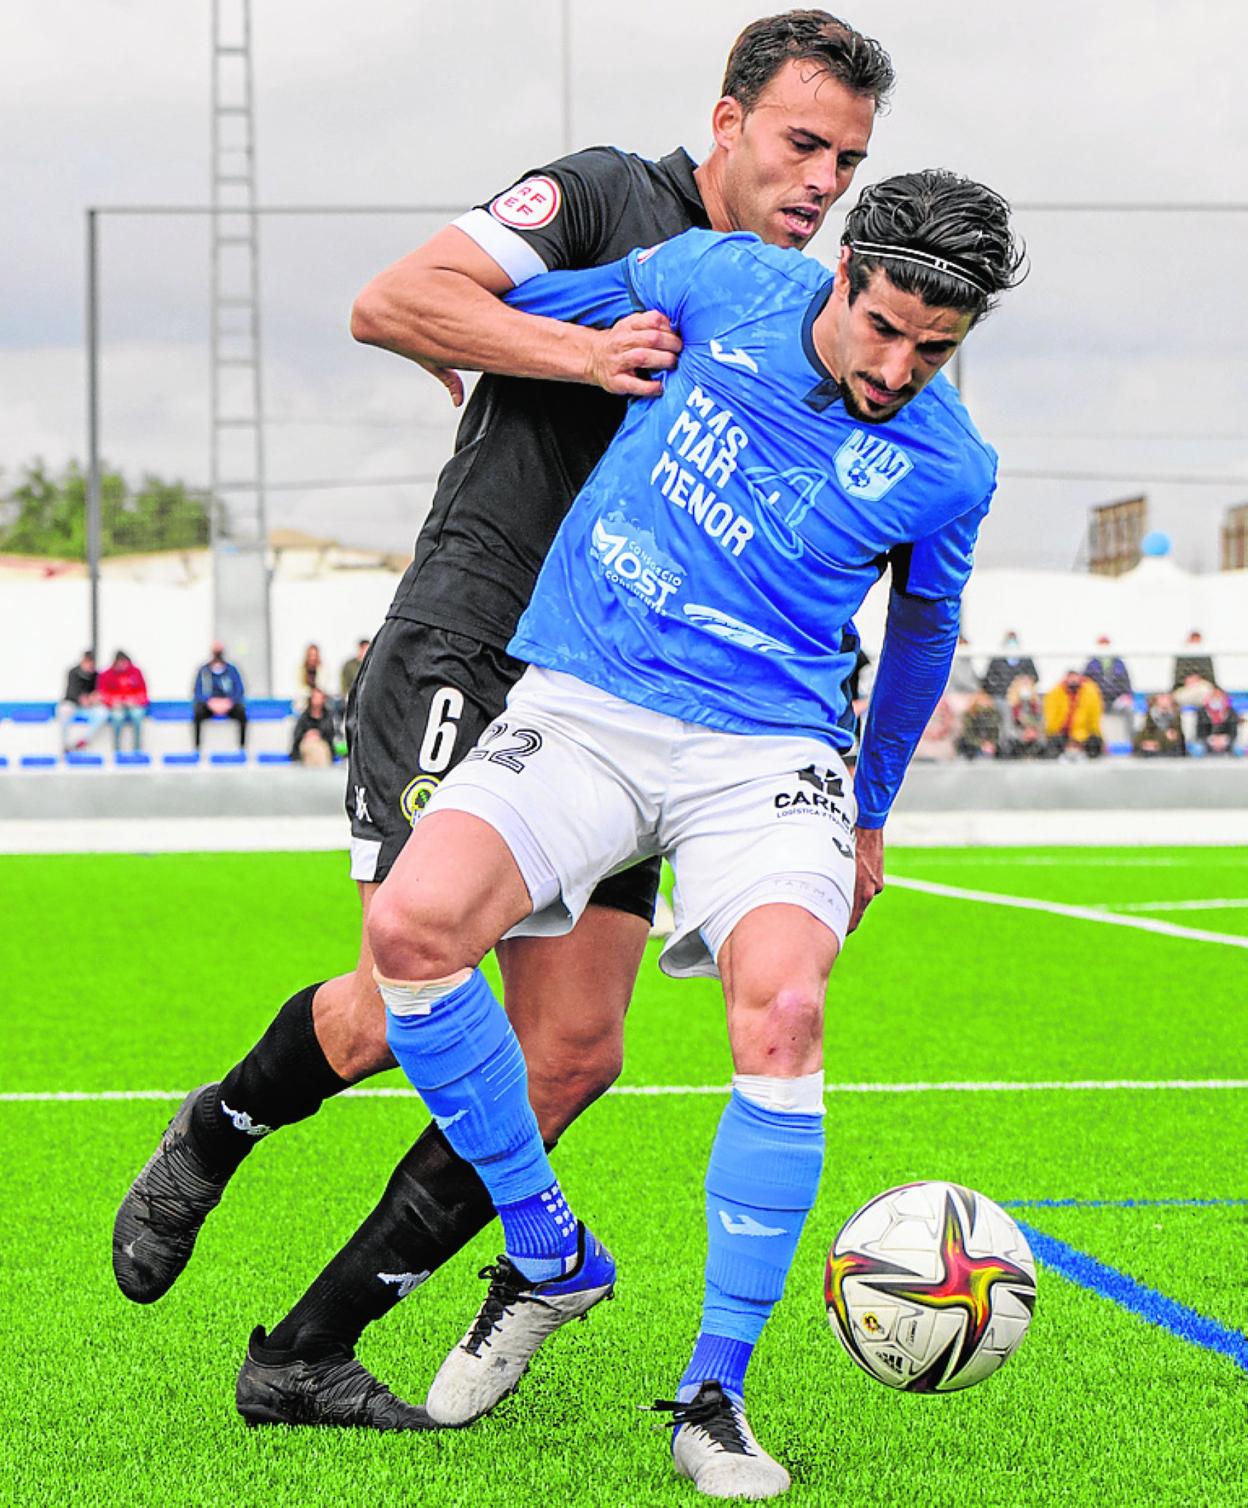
{"x":525,"y":447}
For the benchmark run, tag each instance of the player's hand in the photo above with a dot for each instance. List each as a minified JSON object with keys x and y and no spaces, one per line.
{"x":448,"y":377}
{"x":640,"y":343}
{"x":868,"y":870}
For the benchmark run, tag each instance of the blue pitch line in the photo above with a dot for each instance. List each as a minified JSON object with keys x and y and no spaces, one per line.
{"x":1120,"y":1204}
{"x":1187,"y":1324}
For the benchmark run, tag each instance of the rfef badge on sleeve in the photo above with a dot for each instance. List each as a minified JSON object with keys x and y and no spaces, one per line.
{"x":530,"y":205}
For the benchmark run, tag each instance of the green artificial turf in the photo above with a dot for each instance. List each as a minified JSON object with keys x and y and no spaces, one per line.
{"x":154,"y":973}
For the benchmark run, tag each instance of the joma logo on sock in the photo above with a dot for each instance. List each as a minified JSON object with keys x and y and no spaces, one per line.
{"x":746,"y":1225}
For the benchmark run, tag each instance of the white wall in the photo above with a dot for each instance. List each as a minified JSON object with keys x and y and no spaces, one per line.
{"x":167,"y":629}
{"x":1147,"y":613}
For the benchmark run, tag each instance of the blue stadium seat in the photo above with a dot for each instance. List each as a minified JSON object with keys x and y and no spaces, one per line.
{"x":271,"y":709}
{"x":32,"y":712}
{"x":235,"y":756}
{"x":169,"y":712}
{"x":133,"y":759}
{"x":86,"y":761}
{"x":272,"y":758}
{"x":190,"y":758}
{"x":38,"y":761}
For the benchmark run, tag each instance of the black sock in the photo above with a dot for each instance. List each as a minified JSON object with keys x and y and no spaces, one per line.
{"x":433,"y":1205}
{"x":285,"y":1078}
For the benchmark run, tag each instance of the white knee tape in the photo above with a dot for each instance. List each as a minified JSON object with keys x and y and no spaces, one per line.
{"x":801,"y":1096}
{"x":417,"y":997}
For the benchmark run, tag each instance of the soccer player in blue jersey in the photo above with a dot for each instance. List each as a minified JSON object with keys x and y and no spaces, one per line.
{"x":688,"y":642}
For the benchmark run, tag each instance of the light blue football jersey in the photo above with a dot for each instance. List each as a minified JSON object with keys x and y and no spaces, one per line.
{"x":711,"y":566}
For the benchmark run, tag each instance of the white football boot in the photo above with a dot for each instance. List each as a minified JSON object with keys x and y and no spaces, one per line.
{"x":715,"y":1448}
{"x":515,"y":1319}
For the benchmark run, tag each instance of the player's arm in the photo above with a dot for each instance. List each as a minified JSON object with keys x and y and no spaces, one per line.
{"x":654,"y":283}
{"x":920,"y":640}
{"x":439,"y":305}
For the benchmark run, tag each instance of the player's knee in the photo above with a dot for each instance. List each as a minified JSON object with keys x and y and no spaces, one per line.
{"x":565,"y":1082}
{"x":789,"y":1020}
{"x":410,"y":942}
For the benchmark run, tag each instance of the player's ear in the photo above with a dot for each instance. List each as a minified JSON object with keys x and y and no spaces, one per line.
{"x":842,"y":270}
{"x":727,"y":119}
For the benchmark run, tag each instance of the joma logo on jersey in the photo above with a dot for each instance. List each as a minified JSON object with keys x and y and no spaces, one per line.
{"x":868,"y":467}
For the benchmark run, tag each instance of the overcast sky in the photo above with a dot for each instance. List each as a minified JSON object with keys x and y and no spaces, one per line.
{"x":1123,"y":355}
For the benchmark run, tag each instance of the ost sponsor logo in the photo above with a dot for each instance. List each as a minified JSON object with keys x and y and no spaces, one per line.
{"x":868,"y":466}
{"x":416,"y":794}
{"x":530,"y":205}
{"x":634,"y":562}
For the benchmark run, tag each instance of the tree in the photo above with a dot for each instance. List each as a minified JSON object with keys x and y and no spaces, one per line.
{"x":47,"y":515}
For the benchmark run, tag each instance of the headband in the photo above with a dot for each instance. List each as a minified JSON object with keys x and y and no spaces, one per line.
{"x":920,"y":259}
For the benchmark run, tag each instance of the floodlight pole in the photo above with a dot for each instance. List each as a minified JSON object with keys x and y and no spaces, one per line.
{"x":93,"y":429}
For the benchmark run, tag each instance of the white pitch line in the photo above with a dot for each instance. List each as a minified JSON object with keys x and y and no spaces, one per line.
{"x":1225,"y":903}
{"x":964,"y":1086}
{"x":1078,"y":913}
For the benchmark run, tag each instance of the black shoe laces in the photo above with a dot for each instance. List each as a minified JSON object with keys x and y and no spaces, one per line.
{"x":710,"y":1411}
{"x":508,"y":1287}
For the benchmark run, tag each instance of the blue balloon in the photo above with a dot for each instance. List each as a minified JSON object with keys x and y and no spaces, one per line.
{"x":1155,"y":543}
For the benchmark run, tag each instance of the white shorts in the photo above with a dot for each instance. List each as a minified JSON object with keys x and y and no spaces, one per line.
{"x":580,"y":784}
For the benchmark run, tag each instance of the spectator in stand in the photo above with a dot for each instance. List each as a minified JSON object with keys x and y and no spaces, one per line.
{"x":939,"y":741}
{"x":1217,"y":723}
{"x":123,"y":692}
{"x":981,"y":728}
{"x":1072,"y":716}
{"x":351,"y":669}
{"x":81,"y":700}
{"x":1161,"y":733}
{"x":1111,"y":678}
{"x":313,"y":739}
{"x":1193,"y":677}
{"x":308,"y":679}
{"x":218,"y":692}
{"x":1004,"y":669}
{"x":962,"y":678}
{"x":1025,"y":736}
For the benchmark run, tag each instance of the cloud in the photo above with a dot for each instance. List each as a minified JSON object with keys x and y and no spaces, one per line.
{"x":1127,"y":326}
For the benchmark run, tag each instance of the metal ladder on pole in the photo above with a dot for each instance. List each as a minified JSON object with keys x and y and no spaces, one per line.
{"x":241,"y":599}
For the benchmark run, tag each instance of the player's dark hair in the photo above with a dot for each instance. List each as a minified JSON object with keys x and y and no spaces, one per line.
{"x":766,"y":45}
{"x":941,"y":218}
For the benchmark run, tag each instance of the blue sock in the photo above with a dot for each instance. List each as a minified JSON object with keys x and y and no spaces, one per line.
{"x":760,"y":1184}
{"x":538,"y":1250}
{"x":463,"y":1057}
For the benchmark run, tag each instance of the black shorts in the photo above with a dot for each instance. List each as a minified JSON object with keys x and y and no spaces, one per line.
{"x":421,"y":700}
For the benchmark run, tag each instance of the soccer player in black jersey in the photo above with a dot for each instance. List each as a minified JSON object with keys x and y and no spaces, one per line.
{"x":800,"y":95}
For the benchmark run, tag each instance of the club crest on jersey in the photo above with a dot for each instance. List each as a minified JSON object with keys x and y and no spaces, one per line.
{"x":416,"y":794}
{"x":529,"y":205}
{"x":868,"y":466}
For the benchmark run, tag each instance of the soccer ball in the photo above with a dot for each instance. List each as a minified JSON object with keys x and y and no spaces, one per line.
{"x":930,"y":1287}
